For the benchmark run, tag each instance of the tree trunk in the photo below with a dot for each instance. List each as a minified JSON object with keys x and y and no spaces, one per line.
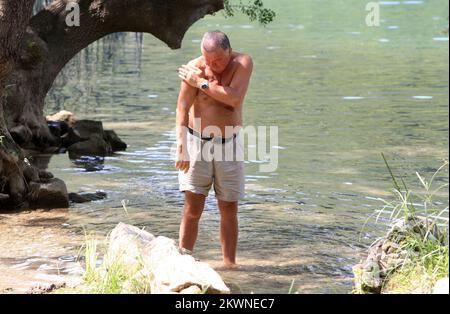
{"x":14,"y":18}
{"x":32,"y":57}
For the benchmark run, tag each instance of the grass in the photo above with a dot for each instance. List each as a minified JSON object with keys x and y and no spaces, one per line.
{"x":422,"y":272}
{"x":111,"y":275}
{"x":427,"y":256}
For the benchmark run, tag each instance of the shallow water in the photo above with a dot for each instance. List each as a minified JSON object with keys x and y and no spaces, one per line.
{"x":340,"y":92}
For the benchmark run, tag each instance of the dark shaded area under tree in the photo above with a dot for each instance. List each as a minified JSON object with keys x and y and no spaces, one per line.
{"x":35,"y":48}
{"x":36,"y":43}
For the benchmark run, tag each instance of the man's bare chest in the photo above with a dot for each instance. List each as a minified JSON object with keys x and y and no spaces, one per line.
{"x":223,"y":79}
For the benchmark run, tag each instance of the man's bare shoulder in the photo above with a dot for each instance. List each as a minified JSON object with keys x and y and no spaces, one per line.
{"x":244,"y":60}
{"x":197,"y":62}
{"x":243,"y":57}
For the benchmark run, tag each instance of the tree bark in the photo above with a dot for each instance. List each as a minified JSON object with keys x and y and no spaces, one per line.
{"x":14,"y":18}
{"x":34,"y":49}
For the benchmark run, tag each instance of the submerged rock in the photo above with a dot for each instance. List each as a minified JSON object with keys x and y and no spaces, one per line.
{"x":113,"y":139}
{"x":95,"y":145}
{"x":49,"y":195}
{"x":71,"y":137}
{"x":84,"y":197}
{"x":87,"y":128}
{"x":90,"y":163}
{"x":79,"y":137}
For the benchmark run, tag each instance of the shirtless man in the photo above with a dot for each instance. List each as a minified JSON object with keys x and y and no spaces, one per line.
{"x":210,"y":103}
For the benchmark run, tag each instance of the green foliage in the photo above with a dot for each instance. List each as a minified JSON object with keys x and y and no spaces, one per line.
{"x":432,"y":255}
{"x":427,"y":256}
{"x":403,"y":206}
{"x":112,"y":276}
{"x":90,"y":254}
{"x":427,"y":263}
{"x":254,"y":9}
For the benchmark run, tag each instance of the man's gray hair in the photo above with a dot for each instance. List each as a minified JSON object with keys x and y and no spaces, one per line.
{"x":215,"y":39}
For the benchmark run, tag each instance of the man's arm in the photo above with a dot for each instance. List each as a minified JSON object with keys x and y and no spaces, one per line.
{"x":186,"y":98}
{"x":234,"y":94}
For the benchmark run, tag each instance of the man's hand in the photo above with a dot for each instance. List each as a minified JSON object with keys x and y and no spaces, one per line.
{"x":191,"y":75}
{"x":182,"y":159}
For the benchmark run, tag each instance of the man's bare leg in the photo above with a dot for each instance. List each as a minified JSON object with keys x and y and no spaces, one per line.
{"x":193,"y":208}
{"x":228,"y":232}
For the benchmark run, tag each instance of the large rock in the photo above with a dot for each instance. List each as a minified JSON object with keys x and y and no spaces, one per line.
{"x":49,"y":195}
{"x":80,"y":138}
{"x":94,"y":146}
{"x":441,"y":287}
{"x":58,"y":128}
{"x":87,"y":128}
{"x":89,"y":139}
{"x":113,"y":139}
{"x":387,"y":254}
{"x":169,"y":270}
{"x":367,"y":277}
{"x":84,"y":197}
{"x":64,"y":115}
{"x":71,"y":137}
{"x":420,"y":227}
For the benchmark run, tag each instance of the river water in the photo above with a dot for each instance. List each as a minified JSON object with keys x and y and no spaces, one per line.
{"x":340,"y":93}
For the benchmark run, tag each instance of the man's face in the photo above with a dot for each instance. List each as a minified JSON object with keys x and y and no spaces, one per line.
{"x":217,"y":60}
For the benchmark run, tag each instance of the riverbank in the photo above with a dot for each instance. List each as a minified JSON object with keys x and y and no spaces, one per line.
{"x":38,"y":249}
{"x":413,"y":257}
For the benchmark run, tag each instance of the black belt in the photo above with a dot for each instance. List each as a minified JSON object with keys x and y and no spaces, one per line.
{"x":224,"y":140}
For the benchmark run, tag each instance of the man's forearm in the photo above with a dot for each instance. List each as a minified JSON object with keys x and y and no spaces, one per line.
{"x":224,"y":94}
{"x":182,"y":122}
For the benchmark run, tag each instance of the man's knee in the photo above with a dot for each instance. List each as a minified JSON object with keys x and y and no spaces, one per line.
{"x":193,"y":206}
{"x":193,"y":212}
{"x":228,"y":209}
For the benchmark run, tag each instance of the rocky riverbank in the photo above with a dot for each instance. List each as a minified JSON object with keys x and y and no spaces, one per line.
{"x":401,"y":261}
{"x":86,"y":142}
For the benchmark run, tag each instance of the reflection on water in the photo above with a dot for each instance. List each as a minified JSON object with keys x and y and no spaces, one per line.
{"x":90,"y":163}
{"x":340,"y":97}
{"x":38,"y":247}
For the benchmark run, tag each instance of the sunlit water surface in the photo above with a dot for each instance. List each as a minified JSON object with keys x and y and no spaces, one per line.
{"x":340,"y":93}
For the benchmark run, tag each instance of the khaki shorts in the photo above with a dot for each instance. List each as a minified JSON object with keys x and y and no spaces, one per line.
{"x":214,"y":162}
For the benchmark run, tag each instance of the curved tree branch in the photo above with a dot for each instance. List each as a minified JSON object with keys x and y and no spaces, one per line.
{"x":167,"y":20}
{"x":31,"y":60}
{"x":49,"y":44}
